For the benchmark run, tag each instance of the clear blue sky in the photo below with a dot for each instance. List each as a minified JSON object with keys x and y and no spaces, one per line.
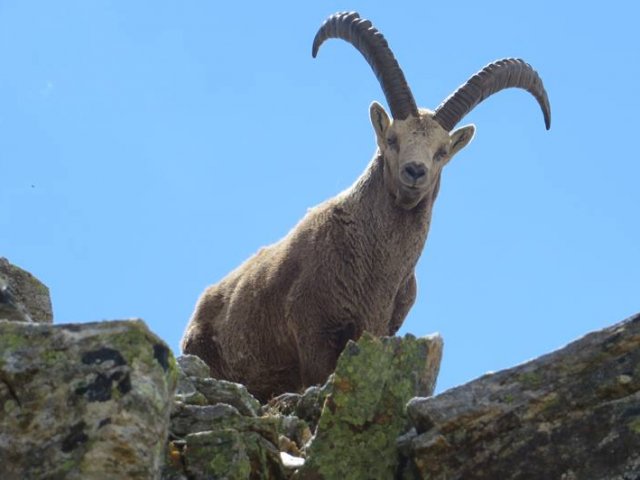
{"x":148,"y":148}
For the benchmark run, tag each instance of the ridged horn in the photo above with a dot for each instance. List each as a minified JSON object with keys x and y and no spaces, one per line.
{"x":501,"y":74}
{"x":373,"y":46}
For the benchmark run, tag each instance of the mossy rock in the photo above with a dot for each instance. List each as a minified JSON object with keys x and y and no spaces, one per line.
{"x":231,"y":454}
{"x":364,"y":412}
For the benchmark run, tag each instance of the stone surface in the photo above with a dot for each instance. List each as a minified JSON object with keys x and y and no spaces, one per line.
{"x":364,"y":411}
{"x":83,"y":401}
{"x":571,"y":414}
{"x":306,"y":406}
{"x":23,"y":298}
{"x":193,"y":366}
{"x":222,"y":443}
{"x":221,"y":454}
{"x":216,"y":431}
{"x":186,"y":419}
{"x":225,"y":433}
{"x":222,"y":391}
{"x":92,"y":401}
{"x":228,"y":453}
{"x":195,"y":387}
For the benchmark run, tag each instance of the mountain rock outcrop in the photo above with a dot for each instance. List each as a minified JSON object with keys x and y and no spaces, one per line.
{"x":108,"y":400}
{"x":349,"y":424}
{"x":571,"y":414}
{"x":83,"y":401}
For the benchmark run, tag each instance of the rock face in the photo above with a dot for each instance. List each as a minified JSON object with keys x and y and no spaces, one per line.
{"x":196,"y":388}
{"x":572,"y":414}
{"x":83,"y":401}
{"x":364,"y":411}
{"x":23,"y":298}
{"x":220,"y":431}
{"x":96,"y":401}
{"x":216,"y":430}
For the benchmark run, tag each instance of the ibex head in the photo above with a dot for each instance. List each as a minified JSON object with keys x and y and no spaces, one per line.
{"x":416,"y":143}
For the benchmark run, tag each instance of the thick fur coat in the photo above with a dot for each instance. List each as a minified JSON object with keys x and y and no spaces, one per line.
{"x":279,"y":321}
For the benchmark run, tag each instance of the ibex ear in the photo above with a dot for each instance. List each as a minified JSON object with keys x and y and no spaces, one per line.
{"x":460,"y":138}
{"x":380,"y":121}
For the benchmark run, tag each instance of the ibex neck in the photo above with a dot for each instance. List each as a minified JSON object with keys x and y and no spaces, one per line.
{"x":387,"y":225}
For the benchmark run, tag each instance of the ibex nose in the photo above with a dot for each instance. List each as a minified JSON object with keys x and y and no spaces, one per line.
{"x":414,"y":171}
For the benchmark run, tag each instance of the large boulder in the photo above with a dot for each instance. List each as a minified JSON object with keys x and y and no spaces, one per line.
{"x":364,"y":409}
{"x":572,"y":414}
{"x":23,"y":298}
{"x":83,"y":401}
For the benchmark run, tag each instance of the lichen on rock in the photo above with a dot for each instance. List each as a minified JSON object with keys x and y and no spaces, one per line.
{"x":218,"y":430}
{"x":573,"y":413}
{"x":96,"y":401}
{"x":364,"y":411}
{"x":83,"y":400}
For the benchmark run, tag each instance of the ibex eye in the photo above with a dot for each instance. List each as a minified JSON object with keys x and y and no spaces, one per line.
{"x":392,"y":141}
{"x":440,"y":154}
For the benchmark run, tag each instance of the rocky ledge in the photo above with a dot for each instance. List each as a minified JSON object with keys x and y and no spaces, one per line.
{"x":350,"y":424}
{"x":108,"y":400}
{"x":573,"y":414}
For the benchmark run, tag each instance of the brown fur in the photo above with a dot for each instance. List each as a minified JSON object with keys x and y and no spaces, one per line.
{"x":279,"y":321}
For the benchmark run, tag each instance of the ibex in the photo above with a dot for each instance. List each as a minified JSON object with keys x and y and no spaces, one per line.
{"x":279,"y":321}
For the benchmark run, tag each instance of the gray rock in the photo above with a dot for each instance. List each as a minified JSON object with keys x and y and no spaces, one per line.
{"x":223,"y":435}
{"x":185,"y":390}
{"x":364,"y":411}
{"x":571,"y":414}
{"x":222,"y":391}
{"x":219,"y":442}
{"x":186,"y":419}
{"x":195,"y":387}
{"x":217,"y":454}
{"x":193,"y":366}
{"x":230,"y":454}
{"x":23,"y":298}
{"x":83,"y":401}
{"x":266,"y":427}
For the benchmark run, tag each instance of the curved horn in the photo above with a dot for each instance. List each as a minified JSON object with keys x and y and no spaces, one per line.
{"x":372,"y":45}
{"x":506,"y":73}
